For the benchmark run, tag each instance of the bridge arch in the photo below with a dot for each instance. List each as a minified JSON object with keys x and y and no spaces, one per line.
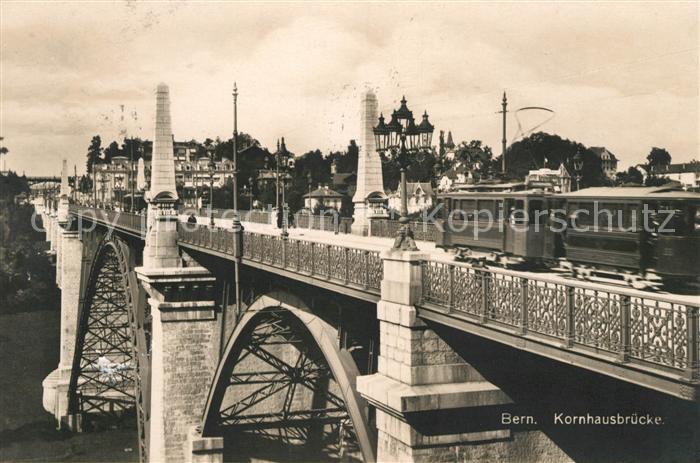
{"x":110,"y":376}
{"x":309,"y":396}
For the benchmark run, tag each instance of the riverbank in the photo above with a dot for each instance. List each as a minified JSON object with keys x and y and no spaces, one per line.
{"x":29,"y":352}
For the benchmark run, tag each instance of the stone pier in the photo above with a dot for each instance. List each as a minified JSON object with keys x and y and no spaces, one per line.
{"x":185,"y":329}
{"x":69,"y":255}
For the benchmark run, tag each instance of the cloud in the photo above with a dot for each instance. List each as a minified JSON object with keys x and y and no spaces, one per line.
{"x":619,"y":75}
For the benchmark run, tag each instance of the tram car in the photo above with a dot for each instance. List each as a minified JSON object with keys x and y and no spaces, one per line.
{"x":504,"y":227}
{"x":633,"y":234}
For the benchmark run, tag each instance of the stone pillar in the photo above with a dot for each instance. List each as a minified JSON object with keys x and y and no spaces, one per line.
{"x":184,"y":357}
{"x":59,"y":253}
{"x":369,"y":166}
{"x":185,"y":330}
{"x":46,"y":223}
{"x":423,"y":388}
{"x":54,"y":232}
{"x":55,"y":398}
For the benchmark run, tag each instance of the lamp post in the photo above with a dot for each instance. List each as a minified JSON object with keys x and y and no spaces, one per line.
{"x":578,"y":167}
{"x":120,"y":190}
{"x":103,"y":180}
{"x":131,"y":173}
{"x":250,"y":193}
{"x":211,"y":167}
{"x":284,"y":162}
{"x":237,"y":228}
{"x":401,"y":137}
{"x":309,"y":180}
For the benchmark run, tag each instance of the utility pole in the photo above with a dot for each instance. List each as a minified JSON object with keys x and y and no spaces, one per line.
{"x":504,"y":104}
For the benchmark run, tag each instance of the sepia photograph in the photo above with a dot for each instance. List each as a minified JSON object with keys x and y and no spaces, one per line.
{"x":362,"y":231}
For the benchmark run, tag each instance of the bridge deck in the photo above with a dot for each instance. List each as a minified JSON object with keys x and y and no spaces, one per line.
{"x":646,"y":338}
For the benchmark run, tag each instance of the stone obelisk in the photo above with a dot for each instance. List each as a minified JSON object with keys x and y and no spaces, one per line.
{"x":161,"y":239}
{"x":64,"y":194}
{"x":370,"y":183}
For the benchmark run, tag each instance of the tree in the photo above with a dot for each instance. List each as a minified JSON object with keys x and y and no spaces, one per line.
{"x":475,"y":157}
{"x":346,"y":161}
{"x":111,"y":151}
{"x":541,"y":150}
{"x":133,"y":146}
{"x":3,"y":149}
{"x":658,"y":159}
{"x":85,"y":184}
{"x":94,"y":153}
{"x":631,"y":177}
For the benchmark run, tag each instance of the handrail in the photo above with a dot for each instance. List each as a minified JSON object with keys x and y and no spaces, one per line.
{"x":634,"y":326}
{"x":360,"y":268}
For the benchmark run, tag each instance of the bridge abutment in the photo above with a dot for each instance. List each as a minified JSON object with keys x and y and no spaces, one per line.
{"x":425,"y":392}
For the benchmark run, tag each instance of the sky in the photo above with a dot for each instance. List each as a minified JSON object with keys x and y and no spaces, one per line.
{"x":619,"y":75}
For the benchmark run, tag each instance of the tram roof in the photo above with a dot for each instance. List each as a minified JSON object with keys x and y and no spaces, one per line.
{"x":496,"y":194}
{"x":660,"y":192}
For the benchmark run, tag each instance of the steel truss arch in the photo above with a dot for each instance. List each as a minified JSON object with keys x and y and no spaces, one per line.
{"x":111,"y":363}
{"x":281,"y":318}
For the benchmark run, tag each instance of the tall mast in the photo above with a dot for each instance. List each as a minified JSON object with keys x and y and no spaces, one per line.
{"x":504,"y":104}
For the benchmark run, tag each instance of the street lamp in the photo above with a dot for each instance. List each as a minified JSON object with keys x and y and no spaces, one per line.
{"x":284,"y":162}
{"x":250,"y":193}
{"x":578,"y":167}
{"x":211,"y":166}
{"x":402,"y":137}
{"x":309,"y":179}
{"x":120,"y":190}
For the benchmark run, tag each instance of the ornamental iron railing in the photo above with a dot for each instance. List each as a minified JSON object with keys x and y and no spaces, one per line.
{"x":134,"y":223}
{"x":330,"y":223}
{"x":631,"y":326}
{"x":387,"y":228}
{"x":359,"y":268}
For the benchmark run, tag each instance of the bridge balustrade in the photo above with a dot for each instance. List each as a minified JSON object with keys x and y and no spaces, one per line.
{"x":253,"y":216}
{"x":323,"y":222}
{"x":648,"y":329}
{"x":134,"y":223}
{"x":386,"y":228}
{"x":359,"y":267}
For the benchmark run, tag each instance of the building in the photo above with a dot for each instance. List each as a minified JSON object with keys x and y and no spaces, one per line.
{"x":454,"y":177}
{"x":607,"y":159}
{"x":323,"y":197}
{"x":420,"y":197}
{"x":117,"y":179}
{"x":687,"y":174}
{"x":558,"y":181}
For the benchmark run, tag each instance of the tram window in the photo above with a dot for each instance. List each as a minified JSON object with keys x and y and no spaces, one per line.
{"x":534,"y":211}
{"x":697,"y":218}
{"x":517,"y":214}
{"x":583,"y":213}
{"x":468,"y":205}
{"x":487,"y":210}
